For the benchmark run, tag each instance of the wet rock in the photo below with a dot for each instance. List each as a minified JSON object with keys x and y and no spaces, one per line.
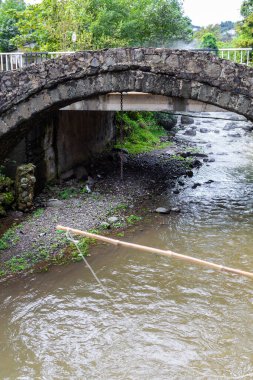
{"x":189,"y":173}
{"x":204,"y":130}
{"x":190,"y":132}
{"x":16,"y":214}
{"x":113,"y":219}
{"x":248,"y":126}
{"x":186,"y":120}
{"x":162,"y":210}
{"x":211,"y":159}
{"x":181,"y":183}
{"x":208,"y":145}
{"x":166,"y":120}
{"x":196,"y":164}
{"x":197,"y":184}
{"x":176,"y":191}
{"x":234,"y":134}
{"x":229,"y":126}
{"x":175,"y":209}
{"x":209,"y":181}
{"x":216,"y":131}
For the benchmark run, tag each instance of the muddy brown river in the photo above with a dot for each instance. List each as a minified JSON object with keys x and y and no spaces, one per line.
{"x":169,"y":319}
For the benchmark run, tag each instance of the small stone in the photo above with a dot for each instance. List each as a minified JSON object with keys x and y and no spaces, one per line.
{"x":196,"y":185}
{"x":190,"y":132}
{"x":211,"y":160}
{"x":175,"y":209}
{"x":189,"y":173}
{"x":113,"y":219}
{"x":54,"y":203}
{"x":187,"y":120}
{"x":204,"y":130}
{"x":234,"y":134}
{"x":162,"y":210}
{"x":230,"y":126}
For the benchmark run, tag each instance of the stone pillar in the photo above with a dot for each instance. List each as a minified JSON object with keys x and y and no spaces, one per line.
{"x":25,"y":181}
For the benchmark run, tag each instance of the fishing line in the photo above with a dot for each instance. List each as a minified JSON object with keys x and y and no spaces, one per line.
{"x":75,"y":242}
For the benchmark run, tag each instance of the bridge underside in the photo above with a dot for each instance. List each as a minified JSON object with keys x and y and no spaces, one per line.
{"x":140,"y":101}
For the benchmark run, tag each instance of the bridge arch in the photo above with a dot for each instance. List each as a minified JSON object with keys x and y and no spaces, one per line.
{"x":29,"y":93}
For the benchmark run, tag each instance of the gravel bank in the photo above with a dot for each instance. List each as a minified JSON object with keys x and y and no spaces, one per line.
{"x":145,"y":176}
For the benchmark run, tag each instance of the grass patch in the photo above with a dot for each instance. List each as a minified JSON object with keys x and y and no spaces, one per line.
{"x":37,"y":213}
{"x":10,"y":237}
{"x":67,"y":193}
{"x":141,"y":132}
{"x":131,"y":219}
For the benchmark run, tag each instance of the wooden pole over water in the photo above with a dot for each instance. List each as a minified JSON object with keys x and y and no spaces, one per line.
{"x":157,"y":251}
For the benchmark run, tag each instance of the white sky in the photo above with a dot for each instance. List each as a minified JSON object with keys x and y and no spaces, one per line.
{"x":205,"y":12}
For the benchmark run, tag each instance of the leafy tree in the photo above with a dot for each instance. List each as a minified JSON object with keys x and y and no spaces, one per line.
{"x":8,"y":20}
{"x":245,"y":28}
{"x":102,"y":23}
{"x":215,"y":30}
{"x":247,"y":8}
{"x":209,"y":41}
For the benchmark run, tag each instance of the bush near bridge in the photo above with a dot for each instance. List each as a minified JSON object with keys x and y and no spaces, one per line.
{"x":142,"y":131}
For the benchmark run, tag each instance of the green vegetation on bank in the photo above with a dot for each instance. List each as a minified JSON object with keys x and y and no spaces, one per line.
{"x":141,"y":132}
{"x":61,"y":252}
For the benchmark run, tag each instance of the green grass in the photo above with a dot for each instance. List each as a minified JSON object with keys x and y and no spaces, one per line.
{"x":67,"y":193}
{"x":131,"y":219}
{"x":141,"y":132}
{"x":37,"y":213}
{"x":10,"y":237}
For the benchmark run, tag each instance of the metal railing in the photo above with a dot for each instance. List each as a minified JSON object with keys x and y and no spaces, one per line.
{"x":238,"y":55}
{"x":14,"y":61}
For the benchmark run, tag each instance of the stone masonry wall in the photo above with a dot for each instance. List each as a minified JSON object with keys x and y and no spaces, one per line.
{"x":39,"y":88}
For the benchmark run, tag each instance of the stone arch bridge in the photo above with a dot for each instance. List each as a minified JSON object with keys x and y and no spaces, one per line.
{"x":28,"y":93}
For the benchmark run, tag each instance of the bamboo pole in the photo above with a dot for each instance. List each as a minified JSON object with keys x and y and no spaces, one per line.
{"x":157,"y":251}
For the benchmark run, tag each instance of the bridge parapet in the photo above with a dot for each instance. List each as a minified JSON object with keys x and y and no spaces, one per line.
{"x":17,"y":60}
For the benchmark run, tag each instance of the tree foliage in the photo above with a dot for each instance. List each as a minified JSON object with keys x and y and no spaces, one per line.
{"x":247,"y":8}
{"x":245,"y":28}
{"x":8,"y":21}
{"x":101,"y":23}
{"x":209,"y":41}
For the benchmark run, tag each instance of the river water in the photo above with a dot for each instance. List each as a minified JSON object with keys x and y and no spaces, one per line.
{"x":169,"y":320}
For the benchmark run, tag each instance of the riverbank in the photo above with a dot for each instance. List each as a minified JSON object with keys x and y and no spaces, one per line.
{"x":104,"y":203}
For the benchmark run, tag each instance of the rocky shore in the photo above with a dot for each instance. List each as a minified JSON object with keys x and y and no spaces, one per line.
{"x":102,"y":202}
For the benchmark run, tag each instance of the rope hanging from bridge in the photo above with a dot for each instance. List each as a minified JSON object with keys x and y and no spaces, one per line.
{"x":121,"y":140}
{"x":162,"y":252}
